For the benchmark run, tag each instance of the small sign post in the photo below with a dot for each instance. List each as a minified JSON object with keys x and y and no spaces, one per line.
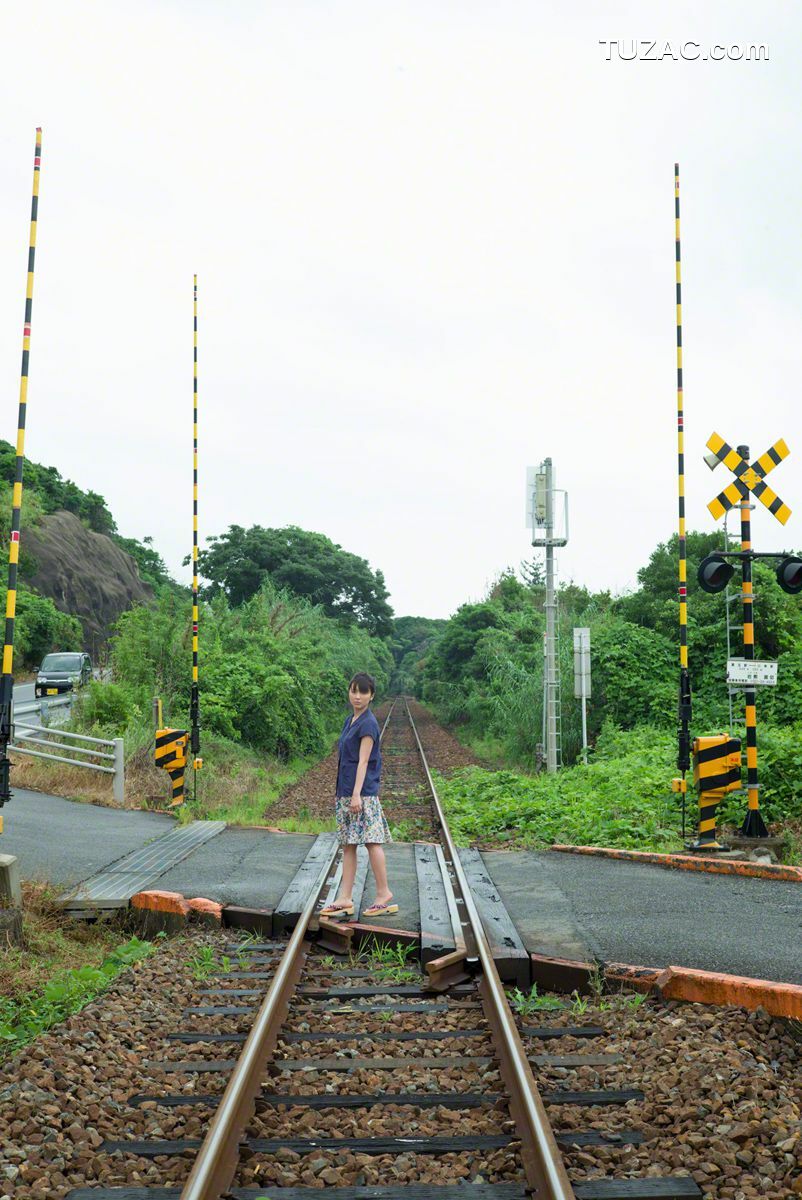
{"x":749,"y":673}
{"x":582,"y":680}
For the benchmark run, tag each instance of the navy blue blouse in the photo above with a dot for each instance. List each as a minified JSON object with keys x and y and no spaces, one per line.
{"x":365,"y":725}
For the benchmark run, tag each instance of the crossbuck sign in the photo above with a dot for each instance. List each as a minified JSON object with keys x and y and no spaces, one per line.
{"x":748,"y":478}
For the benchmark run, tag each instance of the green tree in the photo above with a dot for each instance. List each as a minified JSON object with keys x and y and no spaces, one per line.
{"x":149,"y":562}
{"x":55,"y":493}
{"x":307,"y":564}
{"x":413,"y":637}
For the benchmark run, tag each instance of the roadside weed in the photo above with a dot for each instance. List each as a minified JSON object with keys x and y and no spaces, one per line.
{"x":526,"y":1003}
{"x":203,"y":963}
{"x":579,"y":1004}
{"x":389,"y":962}
{"x":23,"y":1020}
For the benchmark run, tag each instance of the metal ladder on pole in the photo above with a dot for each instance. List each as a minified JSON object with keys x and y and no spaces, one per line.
{"x":553,"y":695}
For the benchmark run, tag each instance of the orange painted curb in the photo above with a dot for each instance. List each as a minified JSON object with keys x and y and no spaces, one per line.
{"x":165,"y":902}
{"x":674,"y":983}
{"x":637,"y":979}
{"x":209,"y":908}
{"x":689,"y":862}
{"x":710,"y":987}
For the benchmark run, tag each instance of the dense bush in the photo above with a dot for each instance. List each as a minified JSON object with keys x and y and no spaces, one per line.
{"x":105,"y":706}
{"x":621,"y":798}
{"x":40,"y":627}
{"x":273,"y":672}
{"x":618,"y":800}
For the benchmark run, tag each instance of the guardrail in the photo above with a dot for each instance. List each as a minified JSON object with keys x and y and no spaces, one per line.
{"x":23,"y":732}
{"x":42,"y":706}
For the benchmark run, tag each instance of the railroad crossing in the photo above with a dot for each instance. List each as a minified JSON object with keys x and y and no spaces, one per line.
{"x":749,"y":481}
{"x":748,"y":477}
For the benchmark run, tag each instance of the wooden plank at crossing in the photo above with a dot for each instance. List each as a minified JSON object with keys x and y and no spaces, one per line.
{"x":291,"y":904}
{"x":435,"y":919}
{"x":509,"y":953}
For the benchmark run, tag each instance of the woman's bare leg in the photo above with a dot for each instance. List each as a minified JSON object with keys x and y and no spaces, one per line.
{"x":378,"y":866}
{"x":349,"y":874}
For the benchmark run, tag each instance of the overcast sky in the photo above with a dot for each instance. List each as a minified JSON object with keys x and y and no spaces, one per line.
{"x":435,"y":243}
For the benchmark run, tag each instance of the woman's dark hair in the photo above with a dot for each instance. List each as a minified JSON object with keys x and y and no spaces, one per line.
{"x":363,"y":683}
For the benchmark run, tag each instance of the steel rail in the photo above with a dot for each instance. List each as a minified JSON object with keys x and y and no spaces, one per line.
{"x":387,"y":718}
{"x":218,"y":1158}
{"x":543,"y":1165}
{"x":214,"y":1168}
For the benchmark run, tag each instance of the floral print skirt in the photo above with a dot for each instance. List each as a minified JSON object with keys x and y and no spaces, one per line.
{"x":364,"y":828}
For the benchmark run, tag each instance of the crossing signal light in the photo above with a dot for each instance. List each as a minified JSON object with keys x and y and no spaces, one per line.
{"x":715,"y":573}
{"x":789,"y":574}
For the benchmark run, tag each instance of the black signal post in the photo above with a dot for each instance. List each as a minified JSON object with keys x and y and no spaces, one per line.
{"x":754,"y":825}
{"x":714,"y":572}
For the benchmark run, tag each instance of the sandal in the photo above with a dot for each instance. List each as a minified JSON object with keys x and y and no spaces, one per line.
{"x":380,"y":910}
{"x":340,"y":908}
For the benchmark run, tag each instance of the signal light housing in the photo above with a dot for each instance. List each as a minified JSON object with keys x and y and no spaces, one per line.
{"x":715,"y":573}
{"x":789,"y":574}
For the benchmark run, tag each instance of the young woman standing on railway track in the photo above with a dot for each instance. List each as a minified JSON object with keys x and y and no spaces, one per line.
{"x":360,"y":819}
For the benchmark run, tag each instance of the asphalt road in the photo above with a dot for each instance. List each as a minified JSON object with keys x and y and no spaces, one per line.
{"x":23,"y":692}
{"x":636,"y":913}
{"x":571,"y":906}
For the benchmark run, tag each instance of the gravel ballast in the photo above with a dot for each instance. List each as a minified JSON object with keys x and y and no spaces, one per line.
{"x":723,"y":1095}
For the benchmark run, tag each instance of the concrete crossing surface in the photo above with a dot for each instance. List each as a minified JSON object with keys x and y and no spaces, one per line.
{"x":537,"y":902}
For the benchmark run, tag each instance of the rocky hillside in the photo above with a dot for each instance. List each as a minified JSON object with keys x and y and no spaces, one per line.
{"x":83,"y":573}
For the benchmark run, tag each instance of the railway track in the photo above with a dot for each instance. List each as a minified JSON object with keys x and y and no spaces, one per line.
{"x":365,"y":1078}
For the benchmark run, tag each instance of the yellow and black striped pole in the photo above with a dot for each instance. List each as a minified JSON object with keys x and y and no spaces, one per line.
{"x":7,"y":680}
{"x":753,"y":825}
{"x":194,"y":706}
{"x":684,"y":712}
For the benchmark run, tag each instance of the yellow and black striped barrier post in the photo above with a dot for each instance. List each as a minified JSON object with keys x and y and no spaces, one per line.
{"x":194,"y":704}
{"x":684,"y":707}
{"x":171,"y":756}
{"x":754,"y":825}
{"x":750,"y":480}
{"x":7,"y":680}
{"x":716,"y":771}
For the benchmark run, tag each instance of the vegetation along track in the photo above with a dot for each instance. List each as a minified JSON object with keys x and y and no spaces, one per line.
{"x":358,"y":1076}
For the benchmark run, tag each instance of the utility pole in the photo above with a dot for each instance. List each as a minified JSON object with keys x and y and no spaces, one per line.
{"x":551,"y":627}
{"x":194,"y":704}
{"x":541,"y":510}
{"x":7,"y":680}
